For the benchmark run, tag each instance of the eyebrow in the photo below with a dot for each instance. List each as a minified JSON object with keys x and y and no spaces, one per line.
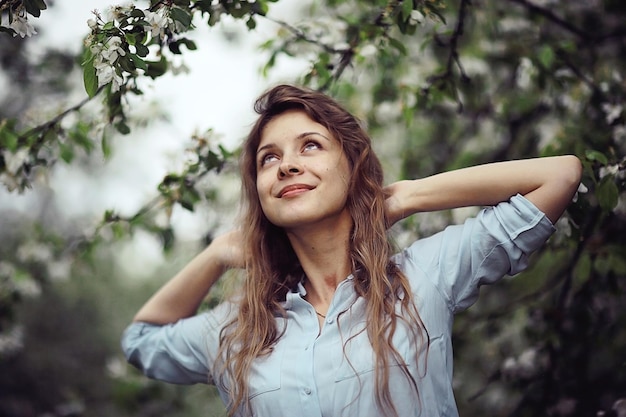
{"x":299,"y":137}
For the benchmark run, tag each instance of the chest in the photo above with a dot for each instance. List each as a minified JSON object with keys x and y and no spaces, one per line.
{"x":313,"y":373}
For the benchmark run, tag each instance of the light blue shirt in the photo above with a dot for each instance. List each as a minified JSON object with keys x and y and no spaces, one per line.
{"x":308,"y":375}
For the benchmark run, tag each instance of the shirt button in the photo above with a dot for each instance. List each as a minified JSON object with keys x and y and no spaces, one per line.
{"x":307,"y":391}
{"x":329,"y":320}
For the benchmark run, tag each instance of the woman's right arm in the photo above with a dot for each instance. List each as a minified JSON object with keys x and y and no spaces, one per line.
{"x":181,"y":296}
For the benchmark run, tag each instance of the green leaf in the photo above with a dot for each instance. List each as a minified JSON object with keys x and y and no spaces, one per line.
{"x":251,"y":23}
{"x":592,"y":155}
{"x":260,"y":7}
{"x":142,"y":50}
{"x":8,"y":138}
{"x":66,"y":153}
{"x":607,"y":193}
{"x":167,"y":238}
{"x":79,"y":134}
{"x":583,"y":269}
{"x":139,"y":63}
{"x":239,"y":12}
{"x":546,"y":56}
{"x":214,"y":18}
{"x":439,"y":15}
{"x":407,"y":115}
{"x":407,"y":8}
{"x":34,"y":7}
{"x":41,"y":4}
{"x":205,"y":6}
{"x":398,"y":45}
{"x":105,"y":146}
{"x":137,"y":13}
{"x":181,"y":16}
{"x":126,"y":63}
{"x":189,"y":197}
{"x":119,"y":231}
{"x":130,"y":38}
{"x":90,"y":79}
{"x":7,"y":30}
{"x":156,"y":68}
{"x":122,"y":128}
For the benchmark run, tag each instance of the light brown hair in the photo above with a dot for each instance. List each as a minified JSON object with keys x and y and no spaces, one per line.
{"x":272,"y":268}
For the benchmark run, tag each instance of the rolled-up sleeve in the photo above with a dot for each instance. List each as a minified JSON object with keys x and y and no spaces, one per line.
{"x":177,"y":353}
{"x":497,"y":242}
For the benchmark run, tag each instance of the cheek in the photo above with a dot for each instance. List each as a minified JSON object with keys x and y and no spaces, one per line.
{"x":263,"y":189}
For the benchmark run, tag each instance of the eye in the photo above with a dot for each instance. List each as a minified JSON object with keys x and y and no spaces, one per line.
{"x":311,"y":145}
{"x":267,"y":158}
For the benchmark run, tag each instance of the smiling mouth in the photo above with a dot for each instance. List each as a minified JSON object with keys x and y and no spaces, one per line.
{"x":293,"y":190}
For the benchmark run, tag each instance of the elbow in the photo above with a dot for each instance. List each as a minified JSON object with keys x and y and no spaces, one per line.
{"x":571,"y":170}
{"x":561,"y":182}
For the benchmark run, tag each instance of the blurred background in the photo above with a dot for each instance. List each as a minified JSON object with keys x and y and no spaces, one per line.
{"x":108,"y":189}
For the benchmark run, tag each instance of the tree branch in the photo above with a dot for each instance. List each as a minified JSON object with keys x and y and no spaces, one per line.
{"x":548,"y":14}
{"x":300,"y":35}
{"x":453,"y":56}
{"x":44,"y":127}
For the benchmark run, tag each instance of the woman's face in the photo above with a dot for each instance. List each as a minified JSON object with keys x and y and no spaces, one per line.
{"x":302,"y":173}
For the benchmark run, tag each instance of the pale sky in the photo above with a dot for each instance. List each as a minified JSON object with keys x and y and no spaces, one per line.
{"x":218,"y":93}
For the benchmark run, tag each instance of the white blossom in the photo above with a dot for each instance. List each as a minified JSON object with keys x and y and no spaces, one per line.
{"x":181,"y":68}
{"x":28,"y":287}
{"x":116,"y":367}
{"x":620,"y":407}
{"x":474,"y":66}
{"x":509,"y":367}
{"x":92,"y":24}
{"x":7,"y":270}
{"x":388,"y":111}
{"x":157,"y":23}
{"x":604,"y":87}
{"x":9,"y":181}
{"x":564,"y":407}
{"x":582,"y":189}
{"x":525,"y":73}
{"x":416,"y":17}
{"x":105,"y":57}
{"x":368,"y":50}
{"x":120,"y":12}
{"x":612,"y":111}
{"x":13,"y":161}
{"x":619,"y":133}
{"x":107,"y":74}
{"x":12,"y":341}
{"x":34,"y":251}
{"x":113,"y":50}
{"x":608,"y":170}
{"x":59,"y":271}
{"x":513,"y":24}
{"x":22,"y":27}
{"x":525,"y":366}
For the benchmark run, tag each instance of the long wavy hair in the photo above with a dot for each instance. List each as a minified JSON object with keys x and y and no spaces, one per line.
{"x":272,"y":268}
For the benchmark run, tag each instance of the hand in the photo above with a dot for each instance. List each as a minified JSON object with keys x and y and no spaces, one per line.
{"x":228,"y":249}
{"x":393,"y":203}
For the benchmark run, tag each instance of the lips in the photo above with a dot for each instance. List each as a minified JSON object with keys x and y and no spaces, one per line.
{"x":294,"y":189}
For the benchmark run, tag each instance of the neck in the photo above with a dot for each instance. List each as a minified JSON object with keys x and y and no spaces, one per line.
{"x":323,"y":253}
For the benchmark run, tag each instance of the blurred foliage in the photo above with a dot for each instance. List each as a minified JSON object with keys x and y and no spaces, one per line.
{"x":440,"y":84}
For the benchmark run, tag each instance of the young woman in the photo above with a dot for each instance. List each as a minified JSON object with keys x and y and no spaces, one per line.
{"x":329,"y":321}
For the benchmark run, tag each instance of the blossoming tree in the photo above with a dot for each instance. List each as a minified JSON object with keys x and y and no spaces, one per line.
{"x":441,"y":84}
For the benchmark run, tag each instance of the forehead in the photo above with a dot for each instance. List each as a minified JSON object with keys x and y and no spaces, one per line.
{"x":289,"y":125}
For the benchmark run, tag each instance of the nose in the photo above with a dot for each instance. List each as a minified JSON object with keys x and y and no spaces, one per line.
{"x":289,"y":168}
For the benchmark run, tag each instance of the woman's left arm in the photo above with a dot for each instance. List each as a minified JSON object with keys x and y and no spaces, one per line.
{"x":549,"y":183}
